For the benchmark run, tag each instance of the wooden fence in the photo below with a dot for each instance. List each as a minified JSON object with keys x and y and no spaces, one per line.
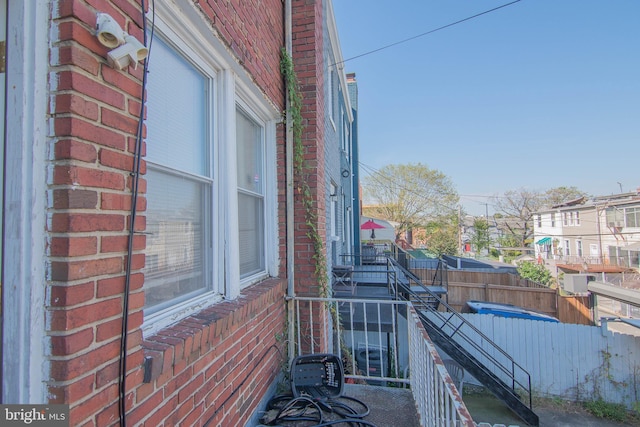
{"x":465,"y":276}
{"x":574,"y":362}
{"x":510,"y":290}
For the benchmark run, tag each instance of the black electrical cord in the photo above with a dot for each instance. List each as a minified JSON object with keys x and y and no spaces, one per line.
{"x":305,"y":408}
{"x":135,"y":173}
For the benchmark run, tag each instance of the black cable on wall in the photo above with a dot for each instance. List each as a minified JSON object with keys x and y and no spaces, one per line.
{"x":135,"y":174}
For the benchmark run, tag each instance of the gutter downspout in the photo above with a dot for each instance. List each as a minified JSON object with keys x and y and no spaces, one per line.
{"x":290,"y":244}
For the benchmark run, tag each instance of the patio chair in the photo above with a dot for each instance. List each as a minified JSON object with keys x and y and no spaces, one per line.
{"x":456,"y":372}
{"x":342,"y":278}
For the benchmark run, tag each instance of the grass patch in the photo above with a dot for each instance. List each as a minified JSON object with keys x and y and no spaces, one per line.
{"x":610,"y":411}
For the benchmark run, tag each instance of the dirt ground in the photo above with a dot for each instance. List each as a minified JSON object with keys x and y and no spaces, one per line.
{"x":484,"y":407}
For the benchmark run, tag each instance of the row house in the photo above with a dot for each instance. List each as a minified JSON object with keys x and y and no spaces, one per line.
{"x":152,"y":222}
{"x":598,"y":234}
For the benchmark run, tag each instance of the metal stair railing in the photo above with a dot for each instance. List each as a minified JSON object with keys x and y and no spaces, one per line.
{"x":506,"y":377}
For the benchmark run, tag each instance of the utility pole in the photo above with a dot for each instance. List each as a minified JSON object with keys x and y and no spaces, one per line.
{"x":460,"y":230}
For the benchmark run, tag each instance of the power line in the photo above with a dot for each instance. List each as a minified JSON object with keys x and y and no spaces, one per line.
{"x":426,"y":33}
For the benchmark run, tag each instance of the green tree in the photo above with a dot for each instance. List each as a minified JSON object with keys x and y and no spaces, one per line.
{"x":535,"y":272}
{"x":410,"y":195}
{"x":443,"y":236}
{"x":509,"y":241}
{"x":480,"y":237}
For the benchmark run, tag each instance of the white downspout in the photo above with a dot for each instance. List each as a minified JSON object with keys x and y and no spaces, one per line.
{"x":290,"y":244}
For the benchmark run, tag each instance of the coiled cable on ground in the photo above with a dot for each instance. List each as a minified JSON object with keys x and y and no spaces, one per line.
{"x":287,"y":408}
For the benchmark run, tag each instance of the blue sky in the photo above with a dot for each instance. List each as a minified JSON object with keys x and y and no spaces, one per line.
{"x":535,"y":95}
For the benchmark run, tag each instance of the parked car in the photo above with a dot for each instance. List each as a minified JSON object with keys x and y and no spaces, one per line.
{"x":505,"y":310}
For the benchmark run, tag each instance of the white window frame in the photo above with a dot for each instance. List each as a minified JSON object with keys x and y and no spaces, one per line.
{"x":25,"y":211}
{"x":232,"y":87}
{"x":333,"y":212}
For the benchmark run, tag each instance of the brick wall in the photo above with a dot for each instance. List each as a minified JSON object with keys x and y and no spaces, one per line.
{"x":308,"y":61}
{"x":213,"y":365}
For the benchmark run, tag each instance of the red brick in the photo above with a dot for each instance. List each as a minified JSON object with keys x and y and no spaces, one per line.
{"x":72,"y":318}
{"x":72,"y":55}
{"x":75,"y":150}
{"x":76,"y":127}
{"x":69,"y":103}
{"x":110,"y":416}
{"x":108,"y":330}
{"x":82,"y":222}
{"x":69,"y":344}
{"x":115,"y":202}
{"x":66,"y":295}
{"x":79,"y":389}
{"x":74,"y":175}
{"x":75,"y":199}
{"x":69,"y":80}
{"x":116,"y":160}
{"x":123,"y":82}
{"x":161,"y":412}
{"x":77,"y":270}
{"x":115,"y":120}
{"x":108,"y":374}
{"x":72,"y":9}
{"x":121,"y":243}
{"x":92,"y":405}
{"x":190,"y":388}
{"x":145,"y":408}
{"x":73,"y":246}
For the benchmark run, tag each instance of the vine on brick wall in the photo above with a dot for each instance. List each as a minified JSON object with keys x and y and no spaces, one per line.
{"x":301,"y":175}
{"x":299,"y":167}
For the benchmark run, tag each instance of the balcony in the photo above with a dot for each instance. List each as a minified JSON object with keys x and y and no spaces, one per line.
{"x":388,"y":358}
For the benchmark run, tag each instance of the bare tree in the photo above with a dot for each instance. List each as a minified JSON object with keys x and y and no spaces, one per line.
{"x":518,"y":207}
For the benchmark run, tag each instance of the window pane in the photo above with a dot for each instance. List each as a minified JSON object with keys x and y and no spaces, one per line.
{"x":176,"y":243}
{"x":251,"y":234}
{"x":632,"y":217}
{"x":250,"y":155}
{"x":249,"y":143}
{"x":177,"y":109}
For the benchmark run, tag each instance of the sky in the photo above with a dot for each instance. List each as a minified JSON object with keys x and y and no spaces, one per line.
{"x":534,"y":95}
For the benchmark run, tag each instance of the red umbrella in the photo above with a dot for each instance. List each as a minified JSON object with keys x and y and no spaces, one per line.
{"x":371,"y":225}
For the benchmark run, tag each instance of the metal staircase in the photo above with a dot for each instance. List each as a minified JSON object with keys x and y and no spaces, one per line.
{"x":467,"y":345}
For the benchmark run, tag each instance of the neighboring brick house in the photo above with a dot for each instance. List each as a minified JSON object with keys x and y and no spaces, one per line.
{"x":205,"y":269}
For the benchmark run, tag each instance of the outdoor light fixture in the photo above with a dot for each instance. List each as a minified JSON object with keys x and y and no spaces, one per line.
{"x":126,"y":49}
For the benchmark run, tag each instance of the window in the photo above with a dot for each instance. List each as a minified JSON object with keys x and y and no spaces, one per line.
{"x":632,"y":217}
{"x":567,"y":247}
{"x":179,"y":180}
{"x":579,"y":247}
{"x":333,"y":210}
{"x":615,"y":217}
{"x":539,"y":220}
{"x":553,"y":219}
{"x":251,"y":211}
{"x":565,"y":218}
{"x":332,"y":96}
{"x":577,"y":217}
{"x":211,"y":197}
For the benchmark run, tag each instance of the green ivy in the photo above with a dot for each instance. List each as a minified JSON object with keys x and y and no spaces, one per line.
{"x":300,"y":172}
